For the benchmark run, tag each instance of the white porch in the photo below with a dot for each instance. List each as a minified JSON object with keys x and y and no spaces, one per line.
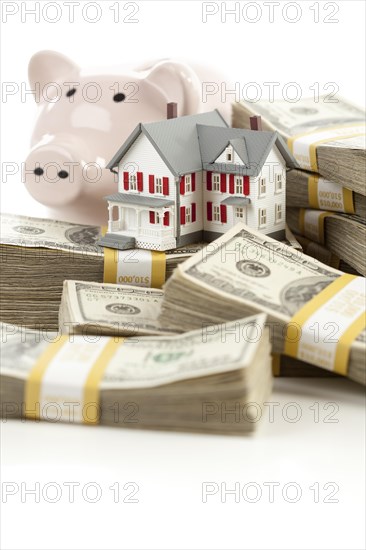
{"x":134,"y":220}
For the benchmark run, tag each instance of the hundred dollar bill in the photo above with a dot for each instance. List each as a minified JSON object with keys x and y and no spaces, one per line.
{"x":325,"y":136}
{"x":99,"y":308}
{"x":37,"y":255}
{"x":179,"y":382}
{"x":245,"y":272}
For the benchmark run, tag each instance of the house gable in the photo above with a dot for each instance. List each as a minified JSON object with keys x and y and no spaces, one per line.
{"x":253,"y":152}
{"x":142,"y":157}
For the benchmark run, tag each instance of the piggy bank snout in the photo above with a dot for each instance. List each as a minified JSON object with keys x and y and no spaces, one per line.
{"x":52,"y":175}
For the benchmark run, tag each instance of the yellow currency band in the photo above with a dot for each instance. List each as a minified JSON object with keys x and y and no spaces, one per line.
{"x":91,"y":394}
{"x":158,"y":269}
{"x":321,"y":218}
{"x":92,"y":384}
{"x":314,"y":201}
{"x":276,"y":364}
{"x":345,"y":341}
{"x":313,"y":146}
{"x":33,"y":383}
{"x":110,"y":265}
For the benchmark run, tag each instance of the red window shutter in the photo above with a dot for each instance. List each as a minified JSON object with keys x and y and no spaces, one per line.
{"x":193,"y":211}
{"x":246,"y":185}
{"x":193,"y":181}
{"x":166,"y":218}
{"x":223,"y":215}
{"x":209,"y":181}
{"x":151,"y":184}
{"x":231,"y":184}
{"x":182,"y":215}
{"x":223,"y":183}
{"x":152,"y":216}
{"x":126,"y":181}
{"x":166,"y":186}
{"x":209,"y":211}
{"x":182,"y":185}
{"x":140,"y":185}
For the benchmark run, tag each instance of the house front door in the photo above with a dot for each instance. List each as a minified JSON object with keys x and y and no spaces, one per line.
{"x":130,"y":219}
{"x":240,"y":214}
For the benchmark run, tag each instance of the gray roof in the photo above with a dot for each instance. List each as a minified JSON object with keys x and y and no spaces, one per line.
{"x":175,"y":139}
{"x":236,"y":201}
{"x":139,"y":200}
{"x":253,"y":152}
{"x":240,"y":146}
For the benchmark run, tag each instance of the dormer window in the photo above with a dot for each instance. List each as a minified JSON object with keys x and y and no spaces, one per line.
{"x":229,"y":154}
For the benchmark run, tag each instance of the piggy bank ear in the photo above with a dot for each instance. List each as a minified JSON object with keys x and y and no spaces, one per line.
{"x":179,"y":83}
{"x":48,"y":66}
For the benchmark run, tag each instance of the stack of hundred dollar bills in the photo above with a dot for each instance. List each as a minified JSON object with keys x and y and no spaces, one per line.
{"x":38,"y":255}
{"x":170,"y":382}
{"x":326,"y":197}
{"x":176,"y":358}
{"x":245,"y":272}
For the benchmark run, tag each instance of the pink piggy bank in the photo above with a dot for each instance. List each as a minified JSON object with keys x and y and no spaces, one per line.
{"x":85,"y":117}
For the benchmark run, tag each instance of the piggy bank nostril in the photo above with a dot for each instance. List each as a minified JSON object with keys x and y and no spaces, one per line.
{"x":119,"y":97}
{"x":63,"y":174}
{"x":71,"y":92}
{"x":38,"y":171}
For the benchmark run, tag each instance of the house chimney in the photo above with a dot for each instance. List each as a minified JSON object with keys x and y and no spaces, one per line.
{"x":256,"y":123}
{"x":171,"y":110}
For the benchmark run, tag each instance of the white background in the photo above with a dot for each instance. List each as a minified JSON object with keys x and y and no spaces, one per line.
{"x":170,"y":468}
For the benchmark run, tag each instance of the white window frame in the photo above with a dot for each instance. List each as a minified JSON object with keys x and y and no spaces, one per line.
{"x":229,"y":153}
{"x":239,"y":185}
{"x":188,"y":214}
{"x":239,"y":212}
{"x":262,"y":186}
{"x":132,"y":182}
{"x":262,"y":217}
{"x":158,"y":186}
{"x":188,"y":183}
{"x":278,"y":183}
{"x":278,"y":212}
{"x":157,"y":217}
{"x":216,"y":179}
{"x":216,"y":213}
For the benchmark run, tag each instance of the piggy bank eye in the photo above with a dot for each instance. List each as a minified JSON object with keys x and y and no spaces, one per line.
{"x":119,"y":97}
{"x":71,"y":92}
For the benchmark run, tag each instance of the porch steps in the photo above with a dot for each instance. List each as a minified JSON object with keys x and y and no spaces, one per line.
{"x":120,"y":242}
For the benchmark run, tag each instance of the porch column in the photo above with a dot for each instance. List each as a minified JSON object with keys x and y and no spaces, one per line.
{"x":120,"y":217}
{"x":138,"y":221}
{"x":110,"y":218}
